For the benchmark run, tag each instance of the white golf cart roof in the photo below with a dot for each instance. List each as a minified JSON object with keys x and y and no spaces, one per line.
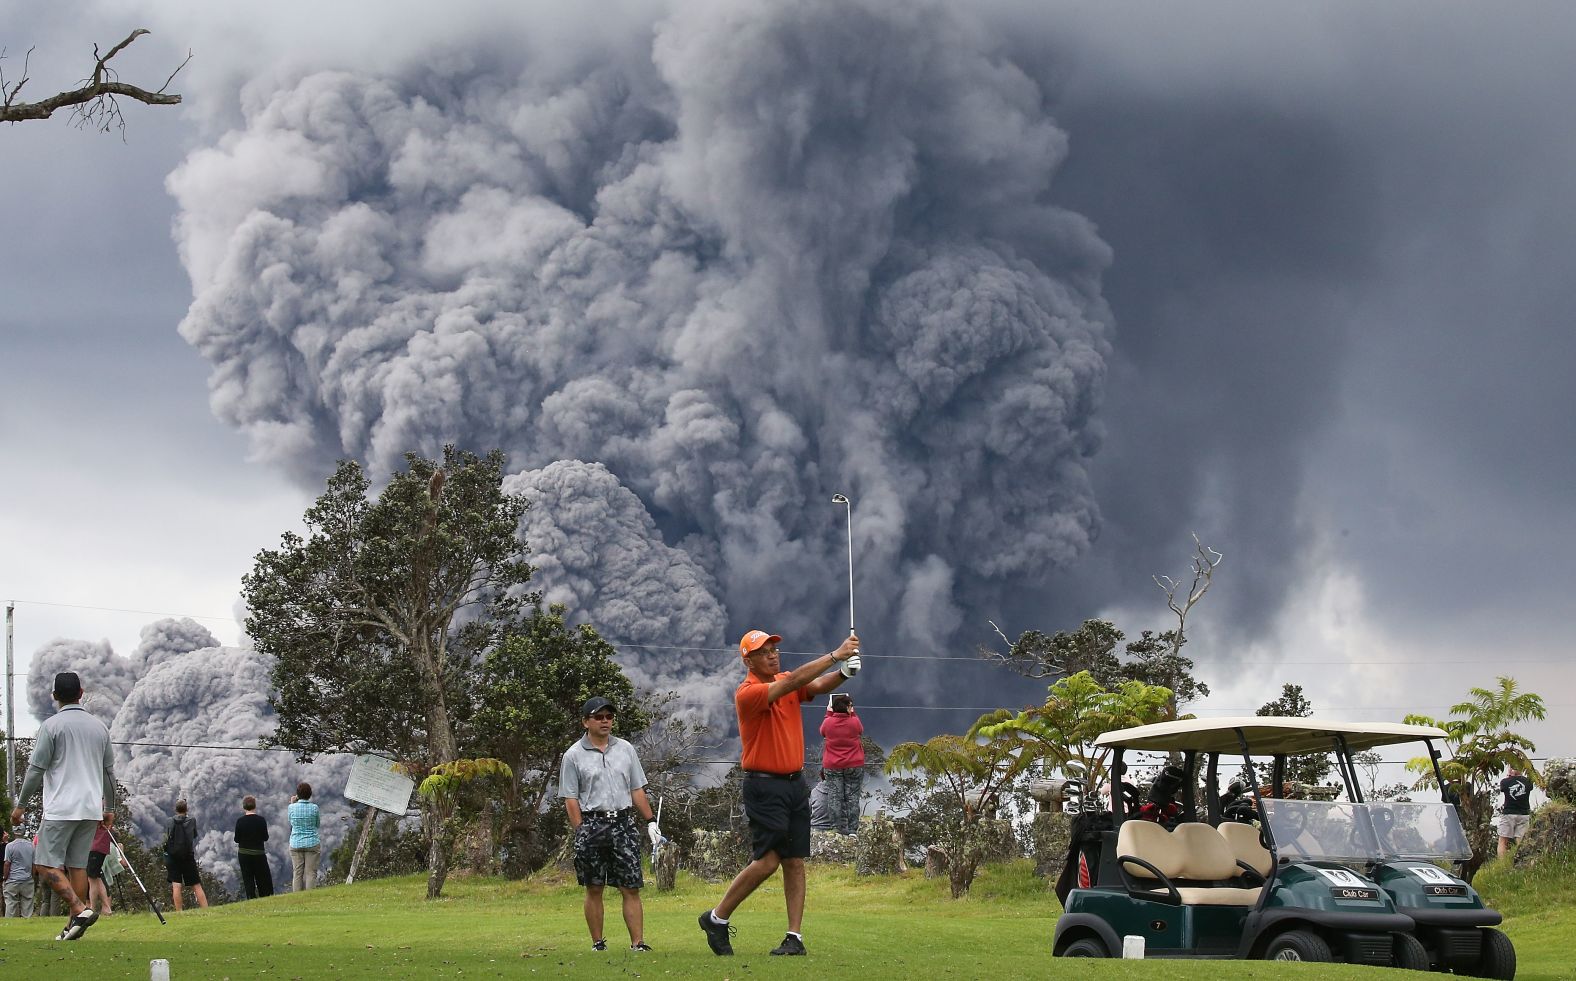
{"x":1267,"y":735}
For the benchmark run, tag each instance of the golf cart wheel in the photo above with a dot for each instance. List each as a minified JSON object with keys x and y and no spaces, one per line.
{"x":1498,"y":959}
{"x":1087,"y":947}
{"x":1408,"y":953}
{"x":1298,"y":945}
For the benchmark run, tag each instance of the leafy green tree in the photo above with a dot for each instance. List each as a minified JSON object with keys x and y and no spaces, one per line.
{"x":1483,"y":744}
{"x":378,"y":620}
{"x":1310,"y":769}
{"x":1153,"y":659}
{"x":971,"y":774}
{"x":528,"y":712}
{"x":1061,"y":732}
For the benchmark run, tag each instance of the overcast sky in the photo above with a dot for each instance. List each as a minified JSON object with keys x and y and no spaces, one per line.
{"x":1332,"y":249}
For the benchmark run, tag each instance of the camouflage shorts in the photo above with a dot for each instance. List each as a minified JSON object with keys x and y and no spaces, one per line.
{"x":607,"y":852}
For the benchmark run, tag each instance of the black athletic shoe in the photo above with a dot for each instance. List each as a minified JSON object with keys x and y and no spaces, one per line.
{"x":641,"y":948}
{"x":78,"y":925}
{"x":599,"y":944}
{"x":717,"y":935}
{"x":791,"y":946}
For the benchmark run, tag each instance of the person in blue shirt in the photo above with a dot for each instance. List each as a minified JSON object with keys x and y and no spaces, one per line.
{"x":305,"y":846}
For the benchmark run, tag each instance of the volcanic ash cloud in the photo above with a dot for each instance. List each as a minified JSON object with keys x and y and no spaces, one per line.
{"x":778,"y":251}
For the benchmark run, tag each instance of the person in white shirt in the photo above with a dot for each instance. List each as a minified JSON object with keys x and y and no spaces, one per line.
{"x":73,"y":763}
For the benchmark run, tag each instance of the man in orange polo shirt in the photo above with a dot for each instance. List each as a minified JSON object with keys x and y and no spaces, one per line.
{"x":776,"y":795}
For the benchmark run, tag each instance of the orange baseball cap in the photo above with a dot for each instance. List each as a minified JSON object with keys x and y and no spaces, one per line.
{"x":754,"y":640}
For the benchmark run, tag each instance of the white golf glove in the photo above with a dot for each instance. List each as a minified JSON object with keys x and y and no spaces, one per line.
{"x":850,"y":667}
{"x":655,"y":834}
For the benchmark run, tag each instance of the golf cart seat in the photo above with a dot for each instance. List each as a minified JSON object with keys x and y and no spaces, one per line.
{"x":1246,"y":846}
{"x":1194,"y":860}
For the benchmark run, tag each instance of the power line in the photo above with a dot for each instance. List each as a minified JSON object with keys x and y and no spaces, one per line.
{"x":966,"y":659}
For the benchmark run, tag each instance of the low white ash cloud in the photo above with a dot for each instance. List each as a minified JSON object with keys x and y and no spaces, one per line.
{"x":189,"y":696}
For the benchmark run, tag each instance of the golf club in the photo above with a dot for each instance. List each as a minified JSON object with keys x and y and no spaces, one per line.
{"x":152,"y":903}
{"x":840,"y":499}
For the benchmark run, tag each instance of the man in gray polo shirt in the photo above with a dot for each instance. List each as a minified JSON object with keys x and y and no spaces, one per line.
{"x":16,"y":873}
{"x":73,"y":763}
{"x":603,"y":784}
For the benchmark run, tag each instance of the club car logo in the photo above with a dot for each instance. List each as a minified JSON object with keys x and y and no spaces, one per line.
{"x":1347,"y":885}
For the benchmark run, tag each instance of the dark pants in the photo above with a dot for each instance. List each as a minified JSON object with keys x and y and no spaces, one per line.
{"x":256,"y":877}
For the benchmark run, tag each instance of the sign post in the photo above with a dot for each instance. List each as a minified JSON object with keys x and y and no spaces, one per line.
{"x":378,"y":783}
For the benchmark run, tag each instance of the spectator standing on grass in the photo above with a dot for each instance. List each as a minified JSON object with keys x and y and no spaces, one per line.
{"x":17,"y":875}
{"x":1515,"y":810}
{"x":180,"y":858}
{"x":98,"y":888}
{"x":73,"y":764}
{"x":775,"y":796}
{"x":305,"y":845}
{"x":843,"y":763}
{"x":603,"y":787}
{"x":251,"y":850}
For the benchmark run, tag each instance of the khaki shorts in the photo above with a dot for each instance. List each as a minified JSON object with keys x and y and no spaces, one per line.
{"x":1513,"y":825}
{"x":65,"y":844}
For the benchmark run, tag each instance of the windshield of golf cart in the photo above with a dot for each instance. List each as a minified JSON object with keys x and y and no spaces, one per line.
{"x":1340,"y":831}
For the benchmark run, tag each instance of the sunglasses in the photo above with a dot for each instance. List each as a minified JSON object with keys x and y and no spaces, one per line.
{"x":603,"y":717}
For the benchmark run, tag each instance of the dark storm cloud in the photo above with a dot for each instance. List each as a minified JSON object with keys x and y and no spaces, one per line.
{"x":787,"y":250}
{"x":1342,"y":246}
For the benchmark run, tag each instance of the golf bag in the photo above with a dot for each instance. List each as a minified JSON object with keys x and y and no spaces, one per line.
{"x":1083,"y":852}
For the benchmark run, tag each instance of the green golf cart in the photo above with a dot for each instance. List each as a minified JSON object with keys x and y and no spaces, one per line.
{"x":1250,"y":874}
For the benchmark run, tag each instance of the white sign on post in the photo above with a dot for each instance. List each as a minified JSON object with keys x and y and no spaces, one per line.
{"x":377,"y":782}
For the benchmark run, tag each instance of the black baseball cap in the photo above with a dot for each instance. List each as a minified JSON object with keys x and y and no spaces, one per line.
{"x":68,"y":687}
{"x":595,"y":705}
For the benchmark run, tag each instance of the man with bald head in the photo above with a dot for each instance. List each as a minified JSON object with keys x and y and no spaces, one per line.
{"x":73,"y":763}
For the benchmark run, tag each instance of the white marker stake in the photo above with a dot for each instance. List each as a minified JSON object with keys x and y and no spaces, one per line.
{"x":1132,"y":948}
{"x":159,"y":970}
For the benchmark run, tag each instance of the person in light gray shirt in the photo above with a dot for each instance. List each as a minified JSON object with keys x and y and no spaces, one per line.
{"x":17,"y":876}
{"x":603,"y":785}
{"x":73,"y":763}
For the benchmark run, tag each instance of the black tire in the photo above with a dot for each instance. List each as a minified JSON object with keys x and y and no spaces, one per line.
{"x":1298,"y":945}
{"x":1498,"y":958}
{"x":1087,"y":947}
{"x":1408,"y":953}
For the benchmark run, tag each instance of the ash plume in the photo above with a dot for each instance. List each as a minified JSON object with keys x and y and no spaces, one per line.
{"x":692,"y":286}
{"x":106,"y":678}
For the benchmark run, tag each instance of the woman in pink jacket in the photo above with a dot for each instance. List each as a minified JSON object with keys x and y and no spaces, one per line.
{"x":843,"y":763}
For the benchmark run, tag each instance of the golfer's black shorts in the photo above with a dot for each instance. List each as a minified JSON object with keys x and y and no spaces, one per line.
{"x":96,"y":865}
{"x":182,"y":870}
{"x":779,"y":814}
{"x":607,"y":852}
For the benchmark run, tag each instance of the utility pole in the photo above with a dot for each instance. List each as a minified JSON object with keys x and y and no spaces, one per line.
{"x":11,"y":785}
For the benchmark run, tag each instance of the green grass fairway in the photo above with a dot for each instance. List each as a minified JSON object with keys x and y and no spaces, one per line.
{"x":904,"y":928}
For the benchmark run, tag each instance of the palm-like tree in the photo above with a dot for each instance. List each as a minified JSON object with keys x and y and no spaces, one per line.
{"x":1483,"y":745}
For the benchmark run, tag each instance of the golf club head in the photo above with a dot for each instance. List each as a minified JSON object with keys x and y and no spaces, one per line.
{"x":839,"y":499}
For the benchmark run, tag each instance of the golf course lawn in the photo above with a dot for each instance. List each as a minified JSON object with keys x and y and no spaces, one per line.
{"x":864,"y":927}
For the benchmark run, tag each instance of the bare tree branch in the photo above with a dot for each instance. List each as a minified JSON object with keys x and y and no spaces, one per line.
{"x":1205,"y":559}
{"x":94,"y":102}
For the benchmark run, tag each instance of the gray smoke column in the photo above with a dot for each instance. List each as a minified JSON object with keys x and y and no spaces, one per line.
{"x":777,"y":251}
{"x":106,"y":677}
{"x":164,"y":639}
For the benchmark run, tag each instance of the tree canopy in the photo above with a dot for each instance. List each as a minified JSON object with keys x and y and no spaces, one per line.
{"x":379,"y":619}
{"x":1483,"y":744}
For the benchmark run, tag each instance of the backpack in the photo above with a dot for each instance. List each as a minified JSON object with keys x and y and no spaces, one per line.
{"x":178,"y":843}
